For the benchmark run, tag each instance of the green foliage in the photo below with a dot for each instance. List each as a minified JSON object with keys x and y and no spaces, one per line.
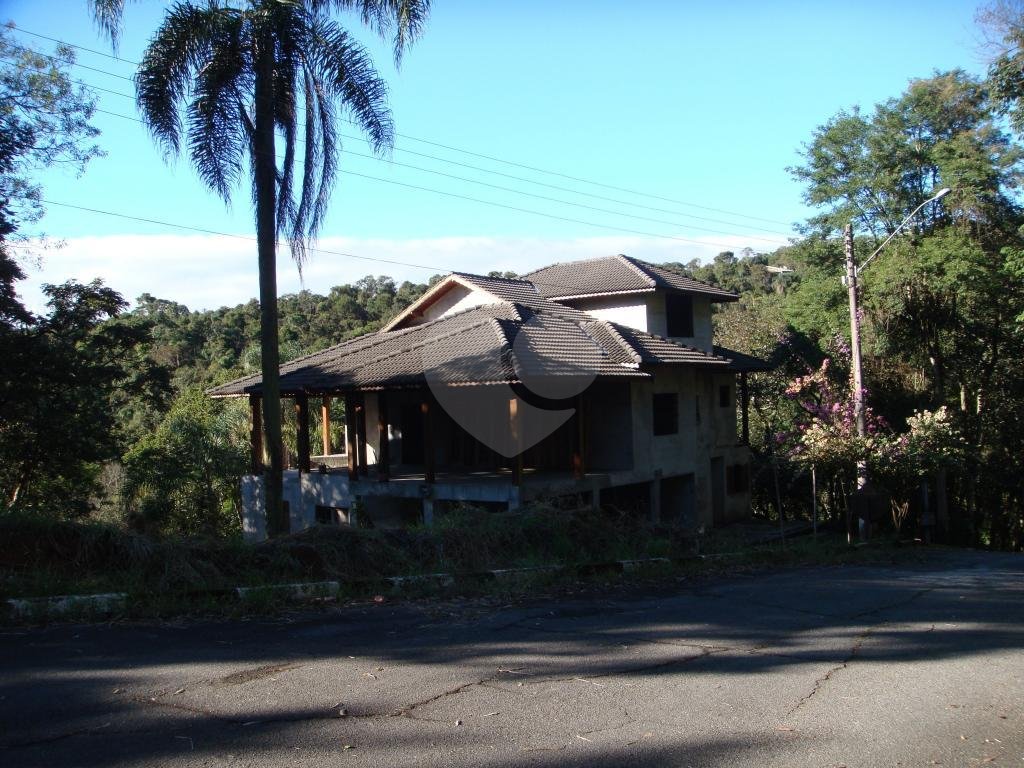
{"x":207,"y":348}
{"x":44,"y":120}
{"x":183,"y":477}
{"x":70,"y":373}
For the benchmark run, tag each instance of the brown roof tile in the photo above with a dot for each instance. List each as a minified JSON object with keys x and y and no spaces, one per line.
{"x":616,"y":274}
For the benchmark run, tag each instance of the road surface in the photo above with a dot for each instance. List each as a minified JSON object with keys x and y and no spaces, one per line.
{"x":908,"y":665}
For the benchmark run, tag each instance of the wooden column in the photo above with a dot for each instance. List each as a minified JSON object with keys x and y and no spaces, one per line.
{"x":325,"y":422}
{"x":361,"y":433}
{"x":256,"y":433}
{"x":516,"y":433}
{"x":579,"y":442}
{"x":744,"y":410}
{"x":302,"y":436}
{"x":383,"y":446}
{"x":350,"y":436}
{"x":429,"y":474}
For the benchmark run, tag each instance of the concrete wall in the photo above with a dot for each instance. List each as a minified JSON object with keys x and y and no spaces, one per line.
{"x":706,"y":431}
{"x":629,"y":310}
{"x":646,"y":312}
{"x":609,"y":426}
{"x":723,"y":417}
{"x":657,"y":323}
{"x":456,"y":299}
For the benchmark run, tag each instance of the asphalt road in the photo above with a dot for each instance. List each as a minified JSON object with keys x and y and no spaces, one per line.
{"x":855,"y":666}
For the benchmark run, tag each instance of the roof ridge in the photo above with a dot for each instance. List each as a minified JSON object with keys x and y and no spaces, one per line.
{"x":632,"y":264}
{"x":507,"y":354}
{"x":574,"y":261}
{"x":630,"y":349}
{"x":422,"y":343}
{"x":677,"y":273}
{"x":667,"y":340}
{"x":489,"y":277}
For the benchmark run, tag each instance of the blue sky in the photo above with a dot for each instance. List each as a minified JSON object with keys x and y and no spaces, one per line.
{"x":702,"y":104}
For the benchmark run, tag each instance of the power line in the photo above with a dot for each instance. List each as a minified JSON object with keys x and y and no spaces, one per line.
{"x":483,"y":156}
{"x":251,"y":239}
{"x":509,"y":176}
{"x":506,"y":206}
{"x":514,"y":191}
{"x":204,"y":231}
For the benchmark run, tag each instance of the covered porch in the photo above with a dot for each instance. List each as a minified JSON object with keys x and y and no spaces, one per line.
{"x":402,"y":455}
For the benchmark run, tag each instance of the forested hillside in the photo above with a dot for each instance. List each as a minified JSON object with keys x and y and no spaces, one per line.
{"x":104,"y":412}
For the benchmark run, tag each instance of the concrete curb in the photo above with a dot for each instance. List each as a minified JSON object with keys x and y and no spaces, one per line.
{"x":67,"y":605}
{"x":95,"y":606}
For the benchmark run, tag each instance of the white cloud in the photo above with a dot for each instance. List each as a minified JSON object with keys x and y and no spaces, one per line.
{"x":208,"y":271}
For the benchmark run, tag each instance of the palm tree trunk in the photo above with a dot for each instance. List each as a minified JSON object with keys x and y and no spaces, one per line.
{"x":265,"y":176}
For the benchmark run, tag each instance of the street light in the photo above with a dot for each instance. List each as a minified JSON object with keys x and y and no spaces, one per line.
{"x":852,"y":271}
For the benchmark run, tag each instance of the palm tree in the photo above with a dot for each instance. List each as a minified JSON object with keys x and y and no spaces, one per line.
{"x":229,"y":79}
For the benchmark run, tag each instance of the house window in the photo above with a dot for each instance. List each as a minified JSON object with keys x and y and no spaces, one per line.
{"x":725,"y":396}
{"x":679,"y":314}
{"x":666,"y":414}
{"x":737,"y":479}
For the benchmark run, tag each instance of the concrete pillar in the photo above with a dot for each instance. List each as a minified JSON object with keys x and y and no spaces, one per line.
{"x":350,"y":436}
{"x":383,"y":452}
{"x":428,"y":511}
{"x":655,"y":499}
{"x":325,"y":423}
{"x":256,"y":433}
{"x":302,"y":431}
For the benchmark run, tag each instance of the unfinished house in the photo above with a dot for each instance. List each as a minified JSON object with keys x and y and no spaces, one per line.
{"x":594,"y":378}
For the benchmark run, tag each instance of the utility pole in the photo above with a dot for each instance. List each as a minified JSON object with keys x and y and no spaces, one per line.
{"x":855,"y":360}
{"x":855,"y":364}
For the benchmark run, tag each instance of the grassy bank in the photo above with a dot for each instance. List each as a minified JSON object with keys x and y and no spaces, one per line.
{"x":43,"y":557}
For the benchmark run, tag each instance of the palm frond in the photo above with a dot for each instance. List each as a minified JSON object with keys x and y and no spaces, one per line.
{"x":178,"y":50}
{"x":405,"y":18}
{"x":217,"y":137}
{"x":107,"y":14}
{"x":347,"y":73}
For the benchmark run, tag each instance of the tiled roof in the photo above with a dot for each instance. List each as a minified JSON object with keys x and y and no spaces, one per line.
{"x":519,"y":292}
{"x":502,"y":342}
{"x":616,"y":274}
{"x":740,"y":362}
{"x":654,"y":350}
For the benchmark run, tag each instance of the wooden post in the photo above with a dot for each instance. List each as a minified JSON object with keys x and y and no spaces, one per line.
{"x":578,"y":440}
{"x":361,"y":433}
{"x":745,"y":409}
{"x":350,"y":436}
{"x":256,"y":433}
{"x":429,"y":474}
{"x":383,"y":445}
{"x":514,"y":431}
{"x":302,"y":436}
{"x":325,"y":422}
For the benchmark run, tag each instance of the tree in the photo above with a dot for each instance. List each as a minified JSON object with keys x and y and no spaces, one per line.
{"x":242,"y":74}
{"x":44,"y":120}
{"x":941,"y":302}
{"x":65,"y":376}
{"x":183,"y":476}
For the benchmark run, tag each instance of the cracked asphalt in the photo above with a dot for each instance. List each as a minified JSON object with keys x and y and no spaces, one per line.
{"x":856,"y":666}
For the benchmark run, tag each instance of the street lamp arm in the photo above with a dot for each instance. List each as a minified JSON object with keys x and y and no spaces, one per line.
{"x":941,"y":193}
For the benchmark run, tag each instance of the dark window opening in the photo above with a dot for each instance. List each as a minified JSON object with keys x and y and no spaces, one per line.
{"x":666,"y":414}
{"x":696,"y":408}
{"x":737,"y":478}
{"x":329,"y":515}
{"x":679,"y":314}
{"x":725,"y":396}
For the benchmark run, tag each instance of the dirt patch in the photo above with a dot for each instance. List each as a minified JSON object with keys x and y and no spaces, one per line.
{"x":258,"y":673}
